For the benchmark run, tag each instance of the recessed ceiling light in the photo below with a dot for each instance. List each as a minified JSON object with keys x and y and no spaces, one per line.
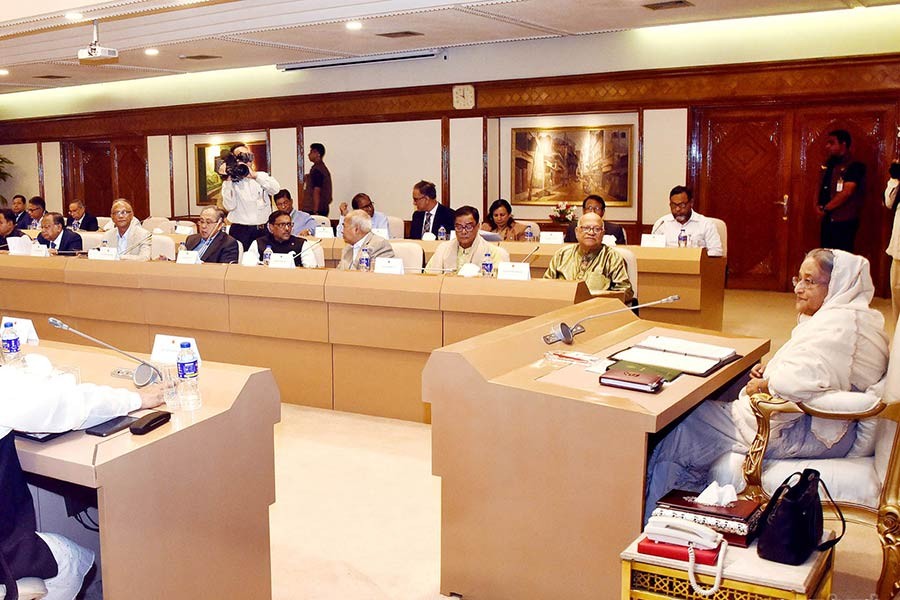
{"x":353,"y":25}
{"x":151,"y":51}
{"x":4,"y":72}
{"x":74,"y":16}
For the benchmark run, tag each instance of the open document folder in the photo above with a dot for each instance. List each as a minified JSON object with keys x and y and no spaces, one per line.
{"x":694,"y":358}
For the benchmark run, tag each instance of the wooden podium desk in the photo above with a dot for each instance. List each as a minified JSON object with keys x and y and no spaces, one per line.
{"x":184,"y":510}
{"x":688,"y":272}
{"x":542,"y":469}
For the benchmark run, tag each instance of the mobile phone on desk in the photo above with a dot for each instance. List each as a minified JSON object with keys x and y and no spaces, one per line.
{"x":110,"y":427}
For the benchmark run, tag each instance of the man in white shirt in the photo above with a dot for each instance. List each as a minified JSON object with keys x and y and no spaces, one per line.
{"x":700,"y":231}
{"x":304,"y":224}
{"x":358,"y":235}
{"x":245,"y":195}
{"x":54,"y":403}
{"x":363,"y":202}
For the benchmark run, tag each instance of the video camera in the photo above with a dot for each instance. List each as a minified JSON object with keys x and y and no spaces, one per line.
{"x":237,"y":166}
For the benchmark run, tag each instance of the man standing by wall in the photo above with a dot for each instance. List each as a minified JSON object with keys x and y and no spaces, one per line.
{"x":317,"y":187}
{"x":840,"y":193}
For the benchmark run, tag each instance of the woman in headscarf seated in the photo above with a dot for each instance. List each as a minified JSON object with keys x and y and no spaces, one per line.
{"x":499,"y":220}
{"x":839,"y":345}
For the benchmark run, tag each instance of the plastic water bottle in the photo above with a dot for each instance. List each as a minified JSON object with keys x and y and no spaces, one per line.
{"x":182,"y":246}
{"x":529,"y":236}
{"x":487,"y":265}
{"x":267,"y":255}
{"x":682,"y":238}
{"x":188,"y":378}
{"x":365,"y":261}
{"x":10,"y":342}
{"x":104,"y":244}
{"x":442,"y":233}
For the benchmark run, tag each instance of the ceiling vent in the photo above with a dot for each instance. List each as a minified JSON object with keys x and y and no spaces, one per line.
{"x":198,"y":57}
{"x":52,"y":77}
{"x":668,"y":5}
{"x":399,"y":34}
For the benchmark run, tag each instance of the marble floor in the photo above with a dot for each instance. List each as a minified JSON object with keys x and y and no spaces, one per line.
{"x":357,"y":515}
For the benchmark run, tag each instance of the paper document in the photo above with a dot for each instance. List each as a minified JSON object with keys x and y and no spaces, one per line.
{"x":694,"y":365}
{"x":679,"y":346}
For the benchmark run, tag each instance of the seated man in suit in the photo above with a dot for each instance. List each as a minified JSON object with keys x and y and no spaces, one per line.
{"x":8,"y":227}
{"x":357,"y":233}
{"x":80,"y":219}
{"x":212,"y":244}
{"x":430,"y":215}
{"x":362,"y":201}
{"x":278,"y":237}
{"x":36,"y":209}
{"x":304,"y":224}
{"x":21,"y":215}
{"x":700,"y":231}
{"x":597,"y":204}
{"x":468,"y":247}
{"x":54,"y":234}
{"x":600,"y":267}
{"x":127,"y":236}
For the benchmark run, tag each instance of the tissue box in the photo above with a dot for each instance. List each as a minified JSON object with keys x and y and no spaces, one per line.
{"x":737,"y":521}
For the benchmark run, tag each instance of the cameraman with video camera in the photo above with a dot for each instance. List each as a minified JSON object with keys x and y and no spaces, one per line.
{"x":245,"y":195}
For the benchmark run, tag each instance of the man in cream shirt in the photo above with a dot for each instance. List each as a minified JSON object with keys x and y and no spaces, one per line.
{"x":127,"y":236}
{"x":701,"y":232}
{"x":357,"y":233}
{"x":467,"y":248}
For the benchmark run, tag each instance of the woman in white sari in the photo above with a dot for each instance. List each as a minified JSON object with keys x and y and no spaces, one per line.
{"x":838,"y":345}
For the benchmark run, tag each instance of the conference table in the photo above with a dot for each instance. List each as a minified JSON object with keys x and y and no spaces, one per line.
{"x":542,"y":469}
{"x":184,"y":509}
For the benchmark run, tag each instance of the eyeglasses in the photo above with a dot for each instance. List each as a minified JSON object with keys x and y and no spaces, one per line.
{"x":805,"y":283}
{"x":287,"y":225}
{"x":33,"y":209}
{"x":370,"y":205}
{"x":121,"y":213}
{"x":590,"y":229}
{"x":206,"y":222}
{"x":679,"y":204}
{"x":464,"y":228}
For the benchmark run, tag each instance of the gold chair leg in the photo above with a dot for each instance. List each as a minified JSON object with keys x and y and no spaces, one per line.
{"x":888,"y":530}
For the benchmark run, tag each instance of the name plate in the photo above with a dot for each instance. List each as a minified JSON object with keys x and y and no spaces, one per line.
{"x":516,"y":271}
{"x":381,"y":232}
{"x":650,"y":240}
{"x":103,"y":254}
{"x":183,"y":230}
{"x":389,"y":266}
{"x":324,"y":232}
{"x":40,"y":250}
{"x":553,"y":237}
{"x":282,"y":260}
{"x":188,"y":257}
{"x":428,"y":237}
{"x":19,"y":246}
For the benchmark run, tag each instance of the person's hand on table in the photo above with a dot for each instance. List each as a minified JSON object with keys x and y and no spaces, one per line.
{"x":151,"y":396}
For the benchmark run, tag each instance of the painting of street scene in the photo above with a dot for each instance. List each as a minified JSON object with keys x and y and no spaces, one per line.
{"x":568,"y":163}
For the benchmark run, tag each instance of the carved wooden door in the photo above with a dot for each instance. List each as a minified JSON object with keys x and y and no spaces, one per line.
{"x":130,"y":181}
{"x":88,"y":175}
{"x":743,"y":177}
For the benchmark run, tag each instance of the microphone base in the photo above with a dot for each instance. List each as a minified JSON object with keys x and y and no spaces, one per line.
{"x":558,"y":334}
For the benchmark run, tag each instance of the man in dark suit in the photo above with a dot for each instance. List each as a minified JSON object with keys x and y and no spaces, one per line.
{"x":213,"y":244}
{"x":21,"y":215}
{"x":56,"y":236}
{"x":8,"y":227}
{"x":36,"y":209}
{"x":596,"y":204}
{"x":430,"y":215}
{"x":80,"y":219}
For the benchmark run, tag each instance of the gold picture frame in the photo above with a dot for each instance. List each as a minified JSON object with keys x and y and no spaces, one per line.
{"x":211,"y":156}
{"x":574,"y":162}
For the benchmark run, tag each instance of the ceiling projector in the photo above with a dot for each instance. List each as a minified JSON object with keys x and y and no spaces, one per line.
{"x":96,"y":53}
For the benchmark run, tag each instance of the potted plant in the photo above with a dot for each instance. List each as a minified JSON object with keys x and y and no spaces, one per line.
{"x":4,"y":174}
{"x":563,"y":213}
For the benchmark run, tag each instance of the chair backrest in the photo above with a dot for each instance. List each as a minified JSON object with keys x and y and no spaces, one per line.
{"x":630,"y":266}
{"x":162,"y":245}
{"x":190,"y":224}
{"x":535,"y":228}
{"x":395,"y":227}
{"x":320,"y":255}
{"x":30,"y":588}
{"x":502,"y":253}
{"x":151,"y":223}
{"x":90,"y":239}
{"x":105,"y":223}
{"x":412,"y":254}
{"x":322,"y":221}
{"x":722,"y":228}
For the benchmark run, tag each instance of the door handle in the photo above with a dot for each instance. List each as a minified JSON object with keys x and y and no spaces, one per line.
{"x":784,"y":204}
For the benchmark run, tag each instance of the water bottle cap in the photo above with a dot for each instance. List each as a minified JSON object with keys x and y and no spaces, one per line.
{"x":185,"y":344}
{"x":8,"y":324}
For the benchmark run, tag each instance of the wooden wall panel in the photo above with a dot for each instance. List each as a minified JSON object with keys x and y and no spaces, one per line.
{"x":129,"y":174}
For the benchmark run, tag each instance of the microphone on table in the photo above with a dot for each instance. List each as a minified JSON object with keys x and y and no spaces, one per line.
{"x":310,"y":247}
{"x":530,"y":254}
{"x":144,"y":374}
{"x":563,"y":333}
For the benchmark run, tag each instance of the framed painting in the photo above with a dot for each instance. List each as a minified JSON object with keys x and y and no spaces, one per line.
{"x":565,"y":164}
{"x":211,"y":156}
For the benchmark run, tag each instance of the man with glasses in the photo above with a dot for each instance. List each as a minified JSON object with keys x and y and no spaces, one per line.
{"x":596,"y":204}
{"x":36,"y":209}
{"x":430,"y":214}
{"x":363,"y":202}
{"x":280,"y":240}
{"x":212,"y":244}
{"x":600,"y":267}
{"x":57,"y":237}
{"x":358,"y":236}
{"x":79,"y":219}
{"x":130,"y":239}
{"x":468,"y":247}
{"x":700,"y":231}
{"x":304,"y":224}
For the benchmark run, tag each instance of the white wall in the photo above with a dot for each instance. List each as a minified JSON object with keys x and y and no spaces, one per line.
{"x":191,"y":158}
{"x":665,"y":158}
{"x":53,"y":182}
{"x":181,"y":183}
{"x":383,"y":160}
{"x":158,"y":175}
{"x":493,"y":160}
{"x":23,"y":172}
{"x":283,"y":160}
{"x":540,"y":212}
{"x":466,"y":162}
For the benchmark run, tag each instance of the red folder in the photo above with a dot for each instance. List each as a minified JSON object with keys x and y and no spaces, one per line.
{"x":701,"y":556}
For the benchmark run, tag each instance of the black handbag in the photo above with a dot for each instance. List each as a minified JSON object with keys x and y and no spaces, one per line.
{"x":791,"y":525}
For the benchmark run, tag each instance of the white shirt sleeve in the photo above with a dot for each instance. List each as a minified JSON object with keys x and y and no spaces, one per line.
{"x":265,"y":181}
{"x":713,"y":241}
{"x":229,"y":198}
{"x":253,"y":250}
{"x":308,"y":259}
{"x":890,"y":192}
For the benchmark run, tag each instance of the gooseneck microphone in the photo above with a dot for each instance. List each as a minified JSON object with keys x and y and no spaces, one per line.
{"x":563,"y":333}
{"x":530,"y":254}
{"x":144,"y":374}
{"x":136,"y":244}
